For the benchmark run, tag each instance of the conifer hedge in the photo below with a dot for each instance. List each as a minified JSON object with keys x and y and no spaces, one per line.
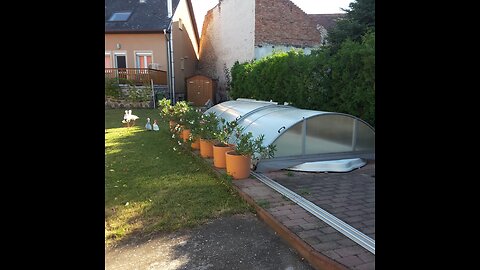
{"x":343,"y":81}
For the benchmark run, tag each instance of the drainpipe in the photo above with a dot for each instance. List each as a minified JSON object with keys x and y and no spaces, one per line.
{"x":170,"y":60}
{"x":169,"y":72}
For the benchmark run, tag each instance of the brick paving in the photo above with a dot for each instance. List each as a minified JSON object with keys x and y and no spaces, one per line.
{"x":349,"y":196}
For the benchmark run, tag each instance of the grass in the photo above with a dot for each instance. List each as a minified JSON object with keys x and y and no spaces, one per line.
{"x":150,"y":187}
{"x":304,"y":191}
{"x":263,"y":203}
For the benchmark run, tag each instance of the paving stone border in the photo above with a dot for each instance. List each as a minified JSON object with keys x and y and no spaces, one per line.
{"x":321,"y":245}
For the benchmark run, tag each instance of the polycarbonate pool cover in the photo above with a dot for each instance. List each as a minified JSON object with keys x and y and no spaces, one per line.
{"x":300,"y":135}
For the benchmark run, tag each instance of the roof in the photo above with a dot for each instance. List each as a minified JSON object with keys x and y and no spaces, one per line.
{"x":326,"y":20}
{"x":150,"y":16}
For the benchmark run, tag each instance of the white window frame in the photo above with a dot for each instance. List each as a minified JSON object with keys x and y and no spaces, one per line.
{"x":109,"y":53}
{"x":142,"y":53}
{"x":115,"y":53}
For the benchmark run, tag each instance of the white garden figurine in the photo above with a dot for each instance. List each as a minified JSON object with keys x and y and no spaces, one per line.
{"x":155,"y":125}
{"x":129,"y":118}
{"x":148,"y":126}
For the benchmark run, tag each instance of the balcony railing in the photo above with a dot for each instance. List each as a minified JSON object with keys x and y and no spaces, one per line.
{"x":137,"y":75}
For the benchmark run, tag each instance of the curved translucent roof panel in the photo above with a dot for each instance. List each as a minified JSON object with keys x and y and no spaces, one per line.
{"x":234,"y":109}
{"x":300,"y":135}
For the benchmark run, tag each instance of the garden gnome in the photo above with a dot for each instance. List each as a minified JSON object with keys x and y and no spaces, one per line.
{"x":148,"y":126}
{"x":155,"y":125}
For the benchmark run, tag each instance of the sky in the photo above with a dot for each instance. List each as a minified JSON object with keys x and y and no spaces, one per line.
{"x":200,"y":8}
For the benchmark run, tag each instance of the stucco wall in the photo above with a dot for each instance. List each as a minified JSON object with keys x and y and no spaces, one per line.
{"x":138,"y":42}
{"x":227,"y":36}
{"x":183,"y":52}
{"x":183,"y":13}
{"x":185,"y":47}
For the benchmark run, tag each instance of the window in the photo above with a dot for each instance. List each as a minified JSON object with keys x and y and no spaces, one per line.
{"x":120,"y":16}
{"x":143,"y":59}
{"x":108,"y":60}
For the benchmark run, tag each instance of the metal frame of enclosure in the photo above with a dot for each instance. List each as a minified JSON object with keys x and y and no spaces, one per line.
{"x":300,"y":135}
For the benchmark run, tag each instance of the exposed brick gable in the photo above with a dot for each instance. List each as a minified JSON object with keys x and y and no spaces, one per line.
{"x":282,"y":22}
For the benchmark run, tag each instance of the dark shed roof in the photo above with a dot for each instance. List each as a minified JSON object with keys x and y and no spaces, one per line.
{"x":150,"y":16}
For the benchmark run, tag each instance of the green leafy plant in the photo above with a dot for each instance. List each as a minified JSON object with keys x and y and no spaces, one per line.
{"x":208,"y":126}
{"x":112,"y":89}
{"x":179,"y":110}
{"x":223,"y":134}
{"x":338,"y":80}
{"x":192,"y":122}
{"x":166,"y":109}
{"x":136,"y":94}
{"x":246,"y":145}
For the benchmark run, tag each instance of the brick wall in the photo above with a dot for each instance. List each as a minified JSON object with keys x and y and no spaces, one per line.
{"x":282,"y":22}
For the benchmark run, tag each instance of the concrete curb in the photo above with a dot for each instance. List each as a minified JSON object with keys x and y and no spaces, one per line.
{"x":316,"y":259}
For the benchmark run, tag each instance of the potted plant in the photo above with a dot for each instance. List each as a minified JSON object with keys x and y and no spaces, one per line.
{"x":221,"y":144}
{"x":208,"y":127}
{"x":239,"y":160}
{"x":191,"y":123}
{"x":178,"y":116}
{"x":166,"y":112}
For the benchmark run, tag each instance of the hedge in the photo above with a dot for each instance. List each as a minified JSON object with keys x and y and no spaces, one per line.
{"x":341,"y":82}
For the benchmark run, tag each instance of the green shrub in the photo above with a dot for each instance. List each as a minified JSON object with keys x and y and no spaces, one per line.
{"x":353,"y":78}
{"x":112,"y":89}
{"x":138,"y":94}
{"x":338,"y":82}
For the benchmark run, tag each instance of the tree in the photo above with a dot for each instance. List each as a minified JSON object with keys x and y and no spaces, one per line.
{"x":359,"y":19}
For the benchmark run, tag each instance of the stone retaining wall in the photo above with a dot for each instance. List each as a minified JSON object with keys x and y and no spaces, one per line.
{"x":111,"y":103}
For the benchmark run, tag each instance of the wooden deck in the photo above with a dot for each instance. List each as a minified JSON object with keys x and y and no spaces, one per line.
{"x":138,"y":76}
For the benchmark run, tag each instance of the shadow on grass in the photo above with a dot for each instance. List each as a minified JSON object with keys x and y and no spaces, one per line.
{"x":151,"y":188}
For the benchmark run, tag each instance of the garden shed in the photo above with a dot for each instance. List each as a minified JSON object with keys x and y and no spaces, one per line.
{"x":300,"y":135}
{"x":200,"y":89}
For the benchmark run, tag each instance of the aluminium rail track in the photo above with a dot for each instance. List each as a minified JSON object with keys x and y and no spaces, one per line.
{"x":342,"y":227}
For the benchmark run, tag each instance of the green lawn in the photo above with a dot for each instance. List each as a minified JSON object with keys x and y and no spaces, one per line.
{"x":151,"y":187}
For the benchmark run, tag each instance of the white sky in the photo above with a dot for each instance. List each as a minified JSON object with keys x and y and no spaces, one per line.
{"x":201,"y":7}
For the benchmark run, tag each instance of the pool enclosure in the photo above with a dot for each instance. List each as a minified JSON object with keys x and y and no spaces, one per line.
{"x":301,"y":136}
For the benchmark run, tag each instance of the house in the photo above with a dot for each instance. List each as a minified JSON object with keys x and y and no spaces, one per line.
{"x":325,"y":22}
{"x":142,"y":35}
{"x":244,"y":30}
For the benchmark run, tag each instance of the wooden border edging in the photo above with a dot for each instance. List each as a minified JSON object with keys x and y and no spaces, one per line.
{"x":315,"y":258}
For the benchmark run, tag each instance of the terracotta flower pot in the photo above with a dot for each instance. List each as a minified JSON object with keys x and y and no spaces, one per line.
{"x":185,"y":134}
{"x":237,"y":166}
{"x":219,"y":155}
{"x":196,"y":144}
{"x":206,"y":148}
